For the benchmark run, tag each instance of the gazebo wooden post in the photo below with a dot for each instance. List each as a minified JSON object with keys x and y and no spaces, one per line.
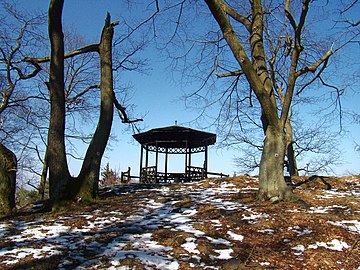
{"x":206,"y":161}
{"x":156,"y":162}
{"x":190,"y":157}
{"x":166,"y":163}
{"x":147,"y":157}
{"x":146,"y":176}
{"x":141,"y":162}
{"x":186,"y":160}
{"x":189,"y":169}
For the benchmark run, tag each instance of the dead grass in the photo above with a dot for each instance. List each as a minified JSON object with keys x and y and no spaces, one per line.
{"x":272,"y":241}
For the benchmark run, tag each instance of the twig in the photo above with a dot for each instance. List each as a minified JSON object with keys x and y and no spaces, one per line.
{"x":251,"y":253}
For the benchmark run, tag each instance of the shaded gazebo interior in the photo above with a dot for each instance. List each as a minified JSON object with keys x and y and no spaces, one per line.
{"x":173,"y":140}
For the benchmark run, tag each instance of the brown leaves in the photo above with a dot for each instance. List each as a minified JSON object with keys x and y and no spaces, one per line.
{"x":216,"y":223}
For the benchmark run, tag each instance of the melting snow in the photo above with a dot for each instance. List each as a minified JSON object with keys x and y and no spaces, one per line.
{"x":334,"y":244}
{"x":131,"y":235}
{"x":299,"y":231}
{"x":299,"y":248}
{"x":352,"y":225}
{"x":255,"y":216}
{"x":224,"y":254}
{"x":191,"y":246}
{"x":234,"y":236}
{"x":267,"y":231}
{"x":334,"y":193}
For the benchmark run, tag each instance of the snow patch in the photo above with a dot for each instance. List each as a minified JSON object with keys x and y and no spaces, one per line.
{"x":224,"y":254}
{"x":299,"y":248}
{"x":267,"y":231}
{"x":190,"y":246}
{"x":352,"y":225}
{"x":234,"y":236}
{"x":300,"y":231}
{"x":253,"y":217}
{"x":334,"y":244}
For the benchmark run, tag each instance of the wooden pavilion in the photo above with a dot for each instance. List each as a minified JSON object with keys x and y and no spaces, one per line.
{"x":173,"y":140}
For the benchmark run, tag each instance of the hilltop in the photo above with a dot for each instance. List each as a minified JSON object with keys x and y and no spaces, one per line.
{"x":212,"y":224}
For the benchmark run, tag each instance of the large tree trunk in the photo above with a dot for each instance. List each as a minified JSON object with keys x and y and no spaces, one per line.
{"x":59,"y":176}
{"x":271,"y":178}
{"x":88,"y":179}
{"x":8,"y":167}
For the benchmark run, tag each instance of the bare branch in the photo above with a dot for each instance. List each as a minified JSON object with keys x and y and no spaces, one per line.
{"x":86,"y":49}
{"x":348,"y":7}
{"x":236,"y":16}
{"x":313,"y":79}
{"x":122,"y":113}
{"x":314,"y":66}
{"x":294,"y":60}
{"x":30,"y":75}
{"x":30,"y":184}
{"x":354,"y":24}
{"x":87,"y":89}
{"x":289,"y":15}
{"x":133,"y":30}
{"x":339,"y":92}
{"x":230,"y":74}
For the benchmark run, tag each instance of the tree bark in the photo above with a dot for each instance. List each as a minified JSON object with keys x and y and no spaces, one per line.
{"x":59,"y":175}
{"x":271,"y":178}
{"x":88,"y":179}
{"x":42,"y":186}
{"x":8,"y":167}
{"x":290,"y":153}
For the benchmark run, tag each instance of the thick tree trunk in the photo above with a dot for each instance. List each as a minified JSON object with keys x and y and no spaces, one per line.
{"x":271,"y":179}
{"x":59,"y":176}
{"x":88,"y":179}
{"x":8,"y":167}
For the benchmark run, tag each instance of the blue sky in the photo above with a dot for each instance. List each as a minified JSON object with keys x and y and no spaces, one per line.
{"x":157,"y":95}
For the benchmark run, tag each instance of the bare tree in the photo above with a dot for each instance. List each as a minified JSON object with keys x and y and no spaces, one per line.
{"x":81,"y":101}
{"x":259,"y":70}
{"x":271,"y":54}
{"x":86,"y":184}
{"x":73,"y":97}
{"x":13,"y":107}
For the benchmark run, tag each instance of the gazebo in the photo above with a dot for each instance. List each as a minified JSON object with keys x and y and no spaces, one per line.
{"x":173,"y":140}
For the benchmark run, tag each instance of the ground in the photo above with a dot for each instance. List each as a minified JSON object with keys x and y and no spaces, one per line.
{"x":212,"y":224}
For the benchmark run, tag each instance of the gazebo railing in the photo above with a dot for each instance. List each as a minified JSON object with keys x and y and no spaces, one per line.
{"x":195,"y":173}
{"x":148,"y":175}
{"x":151,"y":175}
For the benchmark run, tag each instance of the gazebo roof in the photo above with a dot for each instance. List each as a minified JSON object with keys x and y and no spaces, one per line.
{"x":175,"y":137}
